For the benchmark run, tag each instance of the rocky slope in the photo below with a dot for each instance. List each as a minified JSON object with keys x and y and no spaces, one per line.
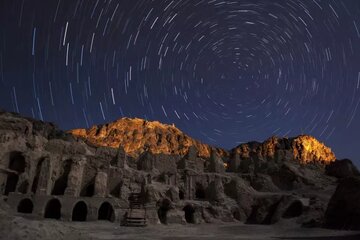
{"x":137,"y":136}
{"x":265,"y":183}
{"x":303,"y":149}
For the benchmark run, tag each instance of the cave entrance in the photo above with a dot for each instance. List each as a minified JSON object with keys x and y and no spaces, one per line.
{"x":294,"y":210}
{"x":189,"y":214}
{"x":61,"y":183}
{"x":163,"y":210}
{"x":116,"y":191}
{"x":88,"y":190}
{"x":181,"y":195}
{"x":37,"y":176}
{"x":25,"y":206}
{"x":53,"y":209}
{"x":199,"y":192}
{"x":106,"y":212}
{"x":11,"y":183}
{"x":236,"y":214}
{"x":23,"y":188}
{"x":17,"y":166}
{"x":79,"y":213}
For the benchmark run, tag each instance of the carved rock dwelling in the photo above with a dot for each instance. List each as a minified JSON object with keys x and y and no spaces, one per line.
{"x":47,"y":173}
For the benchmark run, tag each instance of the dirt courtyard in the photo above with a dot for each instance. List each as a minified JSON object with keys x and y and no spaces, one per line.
{"x":104,"y":230}
{"x":23,"y":228}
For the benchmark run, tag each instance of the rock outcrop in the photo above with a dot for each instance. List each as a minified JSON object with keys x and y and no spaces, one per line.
{"x":303,"y":149}
{"x":342,"y":169}
{"x":137,"y":136}
{"x":177,"y":179}
{"x":343,"y":211}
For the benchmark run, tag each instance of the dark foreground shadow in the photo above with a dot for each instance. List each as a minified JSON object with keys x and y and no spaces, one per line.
{"x":350,"y":237}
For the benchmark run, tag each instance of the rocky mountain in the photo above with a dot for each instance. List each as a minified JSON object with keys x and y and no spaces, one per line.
{"x":138,"y":135}
{"x":303,"y":149}
{"x":265,"y":183}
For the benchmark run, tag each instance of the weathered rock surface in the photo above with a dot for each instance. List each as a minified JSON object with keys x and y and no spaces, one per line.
{"x":137,"y":136}
{"x":342,"y":169}
{"x":179,"y":179}
{"x":303,"y":149}
{"x":343,"y":211}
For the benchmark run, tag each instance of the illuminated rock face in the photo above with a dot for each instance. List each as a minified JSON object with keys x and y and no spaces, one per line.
{"x":308,"y":149}
{"x":137,"y":136}
{"x":304,"y":149}
{"x":263,"y":182}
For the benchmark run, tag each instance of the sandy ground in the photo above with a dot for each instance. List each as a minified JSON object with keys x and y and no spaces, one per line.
{"x":22,"y":228}
{"x":104,"y":231}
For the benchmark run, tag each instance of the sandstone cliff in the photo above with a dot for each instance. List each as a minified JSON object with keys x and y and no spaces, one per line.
{"x":265,"y":182}
{"x":137,"y":136}
{"x":304,"y":149}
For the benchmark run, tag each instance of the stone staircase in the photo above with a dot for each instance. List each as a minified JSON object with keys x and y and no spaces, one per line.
{"x":136,"y":216}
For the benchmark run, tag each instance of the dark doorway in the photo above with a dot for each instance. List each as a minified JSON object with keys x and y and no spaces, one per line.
{"x":11,"y":183}
{"x":236,"y":214}
{"x":17,"y":162}
{"x":37,"y":175}
{"x":200,"y":192}
{"x":189,"y":214}
{"x":25,"y":206}
{"x":88,"y":190}
{"x":79,"y":213}
{"x":17,"y":165}
{"x":294,"y":210}
{"x":162,"y":211}
{"x":106,"y":212}
{"x":181,"y":195}
{"x":23,"y":188}
{"x":116,"y":191}
{"x":61,"y":183}
{"x":53,"y":209}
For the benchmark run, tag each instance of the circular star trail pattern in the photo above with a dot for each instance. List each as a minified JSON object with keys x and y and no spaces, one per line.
{"x":223,"y":71}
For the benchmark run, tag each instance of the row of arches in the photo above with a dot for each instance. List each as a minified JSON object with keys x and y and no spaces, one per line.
{"x":188,"y":210}
{"x":79,"y":212}
{"x":200,"y":193}
{"x":17,"y":165}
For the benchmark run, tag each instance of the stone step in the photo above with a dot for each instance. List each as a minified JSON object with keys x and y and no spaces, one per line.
{"x":135,"y":222}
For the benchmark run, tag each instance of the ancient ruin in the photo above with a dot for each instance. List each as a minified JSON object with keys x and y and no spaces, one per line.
{"x":47,"y":173}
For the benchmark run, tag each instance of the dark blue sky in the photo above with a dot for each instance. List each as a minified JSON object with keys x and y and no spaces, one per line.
{"x":225,"y":72}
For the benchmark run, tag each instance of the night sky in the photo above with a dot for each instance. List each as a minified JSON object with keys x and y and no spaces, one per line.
{"x":224,"y":71}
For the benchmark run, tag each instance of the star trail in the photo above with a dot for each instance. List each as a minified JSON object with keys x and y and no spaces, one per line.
{"x":223,"y":71}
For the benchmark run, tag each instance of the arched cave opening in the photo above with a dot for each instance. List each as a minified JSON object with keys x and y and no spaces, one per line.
{"x":11,"y":183}
{"x":53,"y":209}
{"x":80,"y":211}
{"x":236,"y":214}
{"x":199,"y":192}
{"x":106,"y":212}
{"x":25,"y":206}
{"x":189,"y":214}
{"x":35,"y":182}
{"x":62,"y":182}
{"x":181,"y":195}
{"x":163,"y":210}
{"x":17,"y":165}
{"x":116,"y":191}
{"x":23,"y":188}
{"x":294,"y":210}
{"x":88,"y":190}
{"x":17,"y":162}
